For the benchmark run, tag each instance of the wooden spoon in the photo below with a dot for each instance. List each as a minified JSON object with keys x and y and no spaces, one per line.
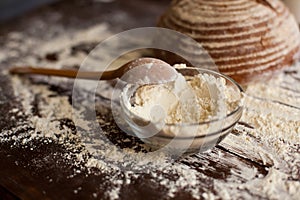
{"x":141,"y":70}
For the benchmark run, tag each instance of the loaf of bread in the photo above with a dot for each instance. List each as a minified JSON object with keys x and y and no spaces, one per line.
{"x":247,"y":39}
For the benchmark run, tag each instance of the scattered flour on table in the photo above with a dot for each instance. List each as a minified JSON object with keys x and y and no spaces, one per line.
{"x":276,"y":125}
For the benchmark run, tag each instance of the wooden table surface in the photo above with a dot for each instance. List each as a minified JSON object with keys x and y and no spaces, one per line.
{"x":250,"y":163}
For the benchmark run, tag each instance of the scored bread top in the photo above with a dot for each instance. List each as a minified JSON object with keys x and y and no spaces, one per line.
{"x":245,"y":38}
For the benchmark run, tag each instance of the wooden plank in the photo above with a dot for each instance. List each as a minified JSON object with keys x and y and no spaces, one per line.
{"x":239,"y":167}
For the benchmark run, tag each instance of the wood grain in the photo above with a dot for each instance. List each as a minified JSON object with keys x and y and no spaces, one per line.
{"x":40,"y":170}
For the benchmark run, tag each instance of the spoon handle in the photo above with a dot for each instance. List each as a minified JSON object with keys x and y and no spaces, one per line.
{"x":68,"y":73}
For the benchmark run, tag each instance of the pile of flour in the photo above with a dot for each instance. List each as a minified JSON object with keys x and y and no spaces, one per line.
{"x":186,"y":100}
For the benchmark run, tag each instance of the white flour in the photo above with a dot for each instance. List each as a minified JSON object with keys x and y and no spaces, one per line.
{"x":187,"y":100}
{"x":274,"y":142}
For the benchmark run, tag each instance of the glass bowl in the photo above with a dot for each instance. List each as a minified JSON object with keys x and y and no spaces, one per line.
{"x":183,"y":138}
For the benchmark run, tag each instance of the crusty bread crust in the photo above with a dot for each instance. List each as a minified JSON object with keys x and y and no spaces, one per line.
{"x":245,"y":38}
